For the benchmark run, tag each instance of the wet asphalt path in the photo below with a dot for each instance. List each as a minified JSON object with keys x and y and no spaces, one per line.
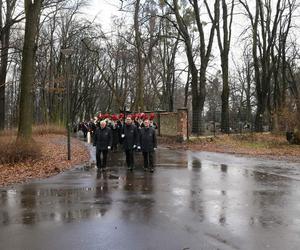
{"x":194,"y":200}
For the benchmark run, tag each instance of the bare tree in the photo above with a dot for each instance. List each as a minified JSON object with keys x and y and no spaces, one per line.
{"x":198,"y":76}
{"x":264,"y":35}
{"x":139,"y":103}
{"x":7,"y":20}
{"x":32,"y":15}
{"x":245,"y":75}
{"x":224,"y":39}
{"x":280,"y":57}
{"x":168,"y":48}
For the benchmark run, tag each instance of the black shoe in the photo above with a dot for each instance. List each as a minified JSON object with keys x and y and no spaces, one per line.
{"x":145,"y":169}
{"x":151,"y":170}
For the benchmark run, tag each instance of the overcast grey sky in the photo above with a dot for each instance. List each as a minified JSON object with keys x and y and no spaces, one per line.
{"x":103,"y":10}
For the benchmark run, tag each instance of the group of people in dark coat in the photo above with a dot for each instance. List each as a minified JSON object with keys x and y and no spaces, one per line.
{"x":131,"y":136}
{"x":86,"y":127}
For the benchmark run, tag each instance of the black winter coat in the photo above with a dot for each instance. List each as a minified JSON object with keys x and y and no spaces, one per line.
{"x":131,"y":136}
{"x":115,"y":134}
{"x":103,"y":138}
{"x":148,"y":139}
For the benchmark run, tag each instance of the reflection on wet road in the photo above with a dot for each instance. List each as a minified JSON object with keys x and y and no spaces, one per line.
{"x":194,"y":200}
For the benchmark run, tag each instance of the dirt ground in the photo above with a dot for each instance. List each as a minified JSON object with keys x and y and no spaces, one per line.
{"x":264,"y":145}
{"x":53,"y":160}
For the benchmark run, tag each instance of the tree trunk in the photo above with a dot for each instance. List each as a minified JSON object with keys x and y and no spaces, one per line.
{"x":3,"y":71}
{"x":205,"y":52}
{"x":32,"y":14}
{"x":225,"y":99}
{"x":248,"y":94}
{"x":202,"y":95}
{"x":195,"y":92}
{"x":186,"y":90}
{"x":261,"y":107}
{"x":224,"y":46}
{"x":139,"y":102}
{"x":275,"y":122}
{"x":297,"y":130}
{"x":196,"y":116}
{"x":198,"y":82}
{"x":4,"y":40}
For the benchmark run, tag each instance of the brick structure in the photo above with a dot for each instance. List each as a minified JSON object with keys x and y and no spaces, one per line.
{"x":173,"y":124}
{"x":182,"y":127}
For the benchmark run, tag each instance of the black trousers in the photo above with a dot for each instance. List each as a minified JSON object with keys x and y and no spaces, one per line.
{"x":101,"y":163}
{"x":148,"y":159}
{"x":129,"y":158}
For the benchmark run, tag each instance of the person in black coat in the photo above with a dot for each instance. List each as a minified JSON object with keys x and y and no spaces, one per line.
{"x":103,"y":142}
{"x":148,"y":143}
{"x":130,"y":141}
{"x":120,"y":124}
{"x":84,"y":128}
{"x":115,"y":135}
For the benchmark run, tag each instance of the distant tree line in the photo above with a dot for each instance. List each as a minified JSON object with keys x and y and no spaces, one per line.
{"x":234,"y":62}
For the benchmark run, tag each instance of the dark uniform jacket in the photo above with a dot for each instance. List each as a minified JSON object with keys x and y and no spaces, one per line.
{"x":148,"y":139}
{"x":103,"y":138}
{"x":131,"y":136}
{"x":115,"y":133}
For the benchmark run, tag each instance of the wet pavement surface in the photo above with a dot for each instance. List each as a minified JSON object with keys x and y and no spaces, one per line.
{"x":193,"y":200}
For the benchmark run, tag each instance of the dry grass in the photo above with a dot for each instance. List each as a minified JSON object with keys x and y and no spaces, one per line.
{"x":38,"y":130}
{"x":49,"y":129}
{"x":8,"y":132}
{"x":252,"y":144}
{"x":254,"y":141}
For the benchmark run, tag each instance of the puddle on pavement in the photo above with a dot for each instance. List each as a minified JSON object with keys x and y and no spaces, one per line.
{"x":184,"y":186}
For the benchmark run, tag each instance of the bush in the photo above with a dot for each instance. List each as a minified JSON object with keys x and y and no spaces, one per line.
{"x":13,"y":152}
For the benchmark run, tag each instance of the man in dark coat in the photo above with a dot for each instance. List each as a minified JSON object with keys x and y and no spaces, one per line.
{"x":130,"y":139}
{"x":148,"y":143}
{"x":103,"y":142}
